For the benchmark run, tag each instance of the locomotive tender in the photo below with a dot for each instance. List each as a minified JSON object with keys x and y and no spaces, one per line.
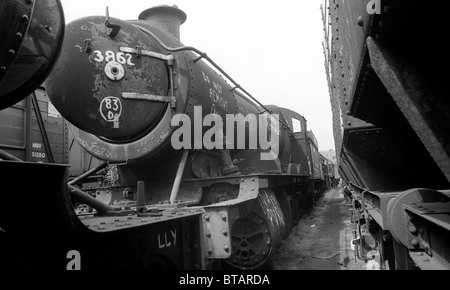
{"x":391,"y":126}
{"x":119,"y":85}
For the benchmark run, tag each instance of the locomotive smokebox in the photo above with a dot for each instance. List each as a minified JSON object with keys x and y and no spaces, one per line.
{"x":168,"y":17}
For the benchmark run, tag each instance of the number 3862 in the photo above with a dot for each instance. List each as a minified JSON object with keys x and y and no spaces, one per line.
{"x":120,"y":57}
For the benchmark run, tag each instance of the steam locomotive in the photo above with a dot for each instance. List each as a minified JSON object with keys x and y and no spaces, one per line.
{"x":131,"y":94}
{"x":391,"y":127}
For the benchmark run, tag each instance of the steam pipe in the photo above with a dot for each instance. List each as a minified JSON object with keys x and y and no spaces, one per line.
{"x":88,"y":173}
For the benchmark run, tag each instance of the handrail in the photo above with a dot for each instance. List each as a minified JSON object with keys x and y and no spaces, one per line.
{"x":216,"y":66}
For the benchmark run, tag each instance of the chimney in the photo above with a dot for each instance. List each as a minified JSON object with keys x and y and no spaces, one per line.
{"x":168,"y":17}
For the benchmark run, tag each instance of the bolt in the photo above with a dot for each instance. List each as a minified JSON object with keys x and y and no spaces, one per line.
{"x":360,"y":21}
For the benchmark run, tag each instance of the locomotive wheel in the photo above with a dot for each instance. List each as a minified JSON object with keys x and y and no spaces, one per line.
{"x":251,"y":242}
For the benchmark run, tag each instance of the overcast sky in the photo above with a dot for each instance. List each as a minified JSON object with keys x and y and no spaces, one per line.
{"x":273,"y":49}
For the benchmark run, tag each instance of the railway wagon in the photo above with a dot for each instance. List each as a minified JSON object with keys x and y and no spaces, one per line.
{"x":32,"y":130}
{"x":185,"y":208}
{"x":390,"y":108}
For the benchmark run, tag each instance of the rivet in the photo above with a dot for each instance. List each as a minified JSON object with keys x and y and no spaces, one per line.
{"x":25,"y":18}
{"x":2,"y":69}
{"x":415,"y":242}
{"x":225,"y":232}
{"x":226,"y":248}
{"x":224,"y":217}
{"x":209,"y":251}
{"x":208,"y":234}
{"x":413,"y":229}
{"x":19,"y":35}
{"x":360,"y":21}
{"x":11,"y":52}
{"x":207,"y":218}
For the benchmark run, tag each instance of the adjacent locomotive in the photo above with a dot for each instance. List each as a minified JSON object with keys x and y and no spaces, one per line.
{"x":390,"y":116}
{"x":126,"y":88}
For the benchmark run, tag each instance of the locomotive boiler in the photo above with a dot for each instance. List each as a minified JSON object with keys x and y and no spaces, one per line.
{"x":206,"y":175}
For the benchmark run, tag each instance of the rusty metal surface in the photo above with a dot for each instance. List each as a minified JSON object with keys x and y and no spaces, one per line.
{"x":31,"y":42}
{"x":14,"y":15}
